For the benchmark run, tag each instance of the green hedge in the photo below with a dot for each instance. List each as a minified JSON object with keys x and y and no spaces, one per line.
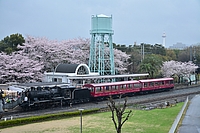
{"x":48,"y":117}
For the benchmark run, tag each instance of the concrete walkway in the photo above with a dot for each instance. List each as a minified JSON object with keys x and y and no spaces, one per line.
{"x":191,"y":121}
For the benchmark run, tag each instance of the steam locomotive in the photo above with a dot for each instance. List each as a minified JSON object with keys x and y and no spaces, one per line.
{"x":44,"y":95}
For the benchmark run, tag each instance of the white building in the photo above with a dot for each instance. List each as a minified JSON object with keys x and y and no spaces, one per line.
{"x":79,"y":74}
{"x":65,"y":73}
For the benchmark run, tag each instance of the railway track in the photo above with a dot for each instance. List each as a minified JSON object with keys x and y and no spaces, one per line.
{"x":148,"y":101}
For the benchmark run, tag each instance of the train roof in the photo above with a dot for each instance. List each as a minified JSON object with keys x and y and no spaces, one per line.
{"x":154,"y":80}
{"x":67,"y":86}
{"x":111,"y":83}
{"x":126,"y":82}
{"x":40,"y":84}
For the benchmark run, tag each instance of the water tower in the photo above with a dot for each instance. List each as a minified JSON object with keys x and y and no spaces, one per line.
{"x":101,"y":58}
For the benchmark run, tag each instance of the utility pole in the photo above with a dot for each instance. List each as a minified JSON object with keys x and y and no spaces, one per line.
{"x":142,"y":52}
{"x":81,"y":123}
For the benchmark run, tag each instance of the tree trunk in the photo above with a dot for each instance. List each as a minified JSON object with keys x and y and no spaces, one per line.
{"x":119,"y":129}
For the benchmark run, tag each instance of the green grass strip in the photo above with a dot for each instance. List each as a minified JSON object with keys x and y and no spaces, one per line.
{"x":48,"y":117}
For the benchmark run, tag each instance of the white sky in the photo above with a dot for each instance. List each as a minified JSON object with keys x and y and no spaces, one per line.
{"x":141,"y":21}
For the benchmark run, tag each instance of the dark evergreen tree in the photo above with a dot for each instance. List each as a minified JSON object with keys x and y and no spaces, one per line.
{"x":9,"y":44}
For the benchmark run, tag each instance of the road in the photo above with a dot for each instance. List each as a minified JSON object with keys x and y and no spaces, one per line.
{"x":191,"y":121}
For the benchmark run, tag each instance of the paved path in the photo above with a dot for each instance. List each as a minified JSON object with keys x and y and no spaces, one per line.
{"x":191,"y":121}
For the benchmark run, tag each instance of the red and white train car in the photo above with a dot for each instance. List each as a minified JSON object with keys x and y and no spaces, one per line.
{"x":157,"y":84}
{"x":129,"y":87}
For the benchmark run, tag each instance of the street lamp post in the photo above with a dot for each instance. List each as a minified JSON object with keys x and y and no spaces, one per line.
{"x":81,"y":110}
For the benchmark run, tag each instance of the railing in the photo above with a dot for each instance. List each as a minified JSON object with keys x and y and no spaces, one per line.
{"x":178,"y":118}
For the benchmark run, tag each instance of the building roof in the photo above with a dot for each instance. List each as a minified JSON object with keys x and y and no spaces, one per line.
{"x":102,"y":15}
{"x":78,"y":69}
{"x":66,"y":68}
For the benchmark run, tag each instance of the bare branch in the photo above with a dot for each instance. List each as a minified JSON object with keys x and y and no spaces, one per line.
{"x":119,"y":112}
{"x":129,"y":113}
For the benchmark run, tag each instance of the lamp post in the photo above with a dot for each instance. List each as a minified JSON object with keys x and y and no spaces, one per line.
{"x":81,"y":110}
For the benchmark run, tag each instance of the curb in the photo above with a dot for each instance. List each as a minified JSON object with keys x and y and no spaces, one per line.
{"x":178,"y":118}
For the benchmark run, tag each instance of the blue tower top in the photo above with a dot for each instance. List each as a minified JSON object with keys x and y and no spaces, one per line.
{"x":101,"y":24}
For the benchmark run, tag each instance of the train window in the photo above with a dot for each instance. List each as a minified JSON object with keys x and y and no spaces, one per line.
{"x":167,"y":82}
{"x":145,"y":84}
{"x":130,"y":85}
{"x":117,"y":87}
{"x":107,"y":88}
{"x":123,"y":86}
{"x":59,"y":80}
{"x":163,"y":82}
{"x":91,"y":89}
{"x":151,"y":83}
{"x":98,"y":89}
{"x":136,"y":85}
{"x":171,"y":81}
{"x":54,"y":79}
{"x":157,"y":83}
{"x":114,"y":88}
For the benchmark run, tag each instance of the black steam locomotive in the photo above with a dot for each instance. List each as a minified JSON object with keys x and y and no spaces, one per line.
{"x":44,"y":95}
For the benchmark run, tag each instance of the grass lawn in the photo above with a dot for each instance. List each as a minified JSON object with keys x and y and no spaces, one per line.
{"x":152,"y":121}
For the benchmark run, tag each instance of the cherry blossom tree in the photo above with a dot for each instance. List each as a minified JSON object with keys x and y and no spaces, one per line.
{"x":121,"y":61}
{"x":42,"y":50}
{"x":169,"y":68}
{"x":51,"y":53}
{"x":74,"y":51}
{"x":188,"y":69}
{"x":78,"y":50}
{"x":39,"y":54}
{"x":181,"y":69}
{"x":19,"y":68}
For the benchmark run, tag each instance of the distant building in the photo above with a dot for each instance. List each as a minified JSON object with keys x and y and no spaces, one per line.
{"x":178,"y":45}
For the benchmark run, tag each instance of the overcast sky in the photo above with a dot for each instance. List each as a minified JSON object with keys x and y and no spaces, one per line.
{"x":140,"y":21}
